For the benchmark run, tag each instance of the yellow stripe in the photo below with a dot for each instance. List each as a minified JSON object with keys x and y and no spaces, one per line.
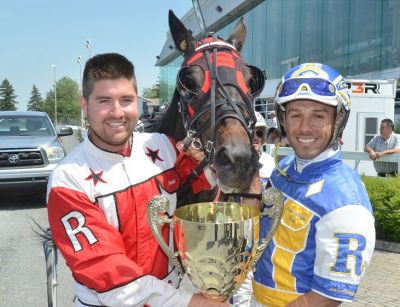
{"x":272,"y":297}
{"x":283,"y":278}
{"x":290,"y":239}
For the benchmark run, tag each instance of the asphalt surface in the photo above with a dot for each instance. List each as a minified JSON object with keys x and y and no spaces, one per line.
{"x":381,"y":284}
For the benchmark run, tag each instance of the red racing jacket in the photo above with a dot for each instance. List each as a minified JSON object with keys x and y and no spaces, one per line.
{"x":97,"y":203}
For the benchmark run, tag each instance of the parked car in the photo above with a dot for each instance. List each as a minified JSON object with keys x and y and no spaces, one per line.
{"x":30,"y":148}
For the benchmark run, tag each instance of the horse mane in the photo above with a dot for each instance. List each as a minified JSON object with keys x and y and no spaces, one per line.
{"x":171,"y":124}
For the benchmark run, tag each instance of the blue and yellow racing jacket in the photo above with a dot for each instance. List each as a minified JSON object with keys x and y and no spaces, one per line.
{"x":326,"y":237}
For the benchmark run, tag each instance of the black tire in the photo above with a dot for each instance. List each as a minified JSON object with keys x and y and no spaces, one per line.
{"x":51,"y":258}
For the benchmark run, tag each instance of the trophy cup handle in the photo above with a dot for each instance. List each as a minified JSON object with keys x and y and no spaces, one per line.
{"x":157,"y":216}
{"x":274,"y":209}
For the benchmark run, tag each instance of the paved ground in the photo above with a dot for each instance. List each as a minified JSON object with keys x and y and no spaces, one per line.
{"x":381,"y":284}
{"x":380,"y":287}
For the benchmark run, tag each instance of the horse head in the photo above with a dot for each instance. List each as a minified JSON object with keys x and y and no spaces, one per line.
{"x":214,"y":94}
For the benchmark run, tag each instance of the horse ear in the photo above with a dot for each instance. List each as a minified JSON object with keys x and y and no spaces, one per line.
{"x":182,"y":37}
{"x":238,"y":35}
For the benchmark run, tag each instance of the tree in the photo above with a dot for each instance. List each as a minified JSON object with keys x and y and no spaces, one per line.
{"x":7,"y":97}
{"x":35,"y":103}
{"x":152,"y":91}
{"x":68,"y":106}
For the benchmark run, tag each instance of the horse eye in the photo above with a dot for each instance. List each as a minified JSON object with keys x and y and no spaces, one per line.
{"x":186,"y":93}
{"x":187,"y":86}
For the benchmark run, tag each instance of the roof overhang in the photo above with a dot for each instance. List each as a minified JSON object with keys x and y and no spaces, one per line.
{"x":217,"y":14}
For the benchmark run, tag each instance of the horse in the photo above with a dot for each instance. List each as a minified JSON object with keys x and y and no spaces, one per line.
{"x":212,"y":109}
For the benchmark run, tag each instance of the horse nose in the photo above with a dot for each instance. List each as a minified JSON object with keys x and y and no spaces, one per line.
{"x":235,"y":165}
{"x":231,"y":153}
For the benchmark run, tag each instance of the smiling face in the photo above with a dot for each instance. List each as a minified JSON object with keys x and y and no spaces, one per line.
{"x":309,"y":126}
{"x":112,"y":113}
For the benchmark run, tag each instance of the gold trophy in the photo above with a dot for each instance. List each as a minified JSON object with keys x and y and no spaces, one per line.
{"x":216,"y":243}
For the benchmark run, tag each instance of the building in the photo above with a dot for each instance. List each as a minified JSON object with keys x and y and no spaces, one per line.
{"x":360,"y":38}
{"x":148,"y":105}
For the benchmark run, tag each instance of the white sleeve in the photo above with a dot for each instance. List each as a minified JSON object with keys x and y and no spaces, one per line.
{"x":345,"y":241}
{"x":397,"y":143}
{"x":268,"y":165}
{"x":242,"y":297}
{"x":147,"y":290}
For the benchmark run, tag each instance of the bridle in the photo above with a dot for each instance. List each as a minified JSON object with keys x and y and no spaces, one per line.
{"x":218,"y":74}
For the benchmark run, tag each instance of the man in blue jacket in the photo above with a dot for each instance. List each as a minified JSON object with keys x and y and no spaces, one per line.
{"x":326,"y":238}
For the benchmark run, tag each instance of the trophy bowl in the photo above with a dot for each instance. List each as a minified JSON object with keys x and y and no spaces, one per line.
{"x":215,"y":243}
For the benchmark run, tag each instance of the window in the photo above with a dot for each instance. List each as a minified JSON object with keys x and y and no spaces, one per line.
{"x":371,"y":128}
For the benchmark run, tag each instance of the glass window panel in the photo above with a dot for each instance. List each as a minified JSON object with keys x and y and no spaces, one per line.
{"x":371,"y":124}
{"x":364,"y":36}
{"x":290,"y":52}
{"x":390,"y":53}
{"x":257,"y":40}
{"x":335,"y":34}
{"x":168,"y":79}
{"x":368,"y":138}
{"x":274,"y":38}
{"x":311,"y":31}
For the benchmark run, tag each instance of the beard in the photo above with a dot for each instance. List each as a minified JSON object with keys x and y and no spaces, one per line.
{"x":93,"y":136}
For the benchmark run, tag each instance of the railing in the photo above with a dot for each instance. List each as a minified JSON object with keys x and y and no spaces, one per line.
{"x":356,"y":156}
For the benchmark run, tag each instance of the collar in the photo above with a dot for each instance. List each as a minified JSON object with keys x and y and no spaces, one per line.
{"x":104,"y":154}
{"x":300,"y":164}
{"x":389,"y":138}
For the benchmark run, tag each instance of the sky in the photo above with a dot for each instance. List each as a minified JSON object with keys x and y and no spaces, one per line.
{"x":37,"y":34}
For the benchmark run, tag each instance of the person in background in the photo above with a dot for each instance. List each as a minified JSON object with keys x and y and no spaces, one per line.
{"x":98,"y":195}
{"x":259,"y":139}
{"x":324,"y":243}
{"x":283,"y":141}
{"x":385,"y":143}
{"x":272,"y":136}
{"x":271,"y":119}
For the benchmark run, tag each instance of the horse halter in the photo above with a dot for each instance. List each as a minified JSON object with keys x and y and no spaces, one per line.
{"x":222,"y":66}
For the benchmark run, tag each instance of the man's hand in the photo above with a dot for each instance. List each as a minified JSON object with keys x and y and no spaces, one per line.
{"x":198,"y":300}
{"x":379,"y":155}
{"x":186,"y":147}
{"x":372,"y":154}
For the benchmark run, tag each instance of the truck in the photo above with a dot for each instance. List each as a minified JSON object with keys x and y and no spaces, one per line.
{"x":30,"y":148}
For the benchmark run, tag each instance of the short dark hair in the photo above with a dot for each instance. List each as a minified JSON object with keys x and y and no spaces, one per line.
{"x":389,"y":122}
{"x":107,"y":66}
{"x":271,"y":130}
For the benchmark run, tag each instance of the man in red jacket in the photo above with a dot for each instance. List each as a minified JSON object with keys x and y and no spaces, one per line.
{"x":98,"y":195}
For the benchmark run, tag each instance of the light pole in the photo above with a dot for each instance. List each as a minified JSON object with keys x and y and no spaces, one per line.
{"x":79,"y":60}
{"x":89,"y":47}
{"x":55,"y":94}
